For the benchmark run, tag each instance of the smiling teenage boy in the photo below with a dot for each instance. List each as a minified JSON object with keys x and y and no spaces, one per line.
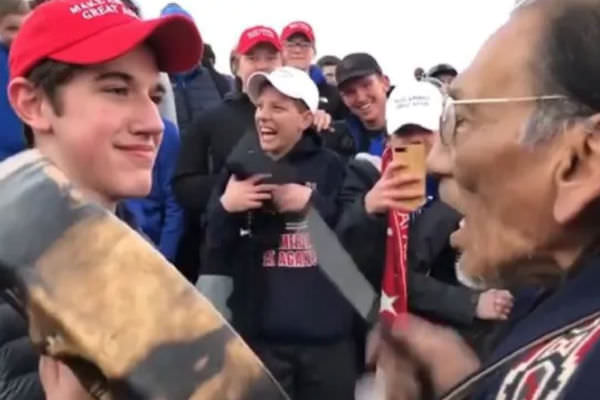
{"x":282,"y":304}
{"x":85,"y":80}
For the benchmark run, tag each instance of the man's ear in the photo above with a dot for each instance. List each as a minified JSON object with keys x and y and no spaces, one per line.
{"x":29,"y":104}
{"x":577,"y":177}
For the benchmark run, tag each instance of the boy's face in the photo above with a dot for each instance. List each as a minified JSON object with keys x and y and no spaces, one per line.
{"x":9,"y":27}
{"x":263,"y":57}
{"x":298,"y":52}
{"x":107,"y":133}
{"x":366,"y":98}
{"x":279,"y":122}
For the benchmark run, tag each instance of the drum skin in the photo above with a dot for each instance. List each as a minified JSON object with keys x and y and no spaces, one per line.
{"x":101,"y":298}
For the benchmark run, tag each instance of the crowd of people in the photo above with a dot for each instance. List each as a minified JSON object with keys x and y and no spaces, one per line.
{"x":484,"y":264}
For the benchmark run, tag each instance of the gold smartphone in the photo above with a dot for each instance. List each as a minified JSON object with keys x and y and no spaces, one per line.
{"x":414,"y":156}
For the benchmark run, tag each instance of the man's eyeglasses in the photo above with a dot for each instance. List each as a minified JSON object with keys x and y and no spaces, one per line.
{"x":300,"y":44}
{"x":448,"y":118}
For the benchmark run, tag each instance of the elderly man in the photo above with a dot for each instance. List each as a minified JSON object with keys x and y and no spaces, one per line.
{"x":519,"y":157}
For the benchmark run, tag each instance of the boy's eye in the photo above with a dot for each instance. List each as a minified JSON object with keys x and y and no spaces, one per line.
{"x":120,"y":91}
{"x":157,"y":99}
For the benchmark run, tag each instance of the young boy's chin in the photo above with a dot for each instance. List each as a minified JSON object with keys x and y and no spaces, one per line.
{"x":133,"y":185}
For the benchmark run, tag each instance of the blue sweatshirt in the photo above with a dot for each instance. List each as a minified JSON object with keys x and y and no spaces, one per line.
{"x":159,"y":216}
{"x":12,"y":139}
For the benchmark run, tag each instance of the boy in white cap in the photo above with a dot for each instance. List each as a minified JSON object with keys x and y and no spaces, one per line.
{"x":406,"y":250}
{"x":257,"y":233}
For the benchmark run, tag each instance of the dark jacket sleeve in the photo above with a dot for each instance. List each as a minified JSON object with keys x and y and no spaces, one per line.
{"x":431,"y":298}
{"x":361,"y":234}
{"x":327,"y":201}
{"x":340,"y":140}
{"x":222,"y":231}
{"x":216,"y":280}
{"x":193,"y":182}
{"x":429,"y":236}
{"x":428,"y":246}
{"x":19,"y":379}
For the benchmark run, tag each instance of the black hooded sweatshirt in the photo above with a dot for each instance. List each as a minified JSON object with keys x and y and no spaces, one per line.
{"x":280,"y":294}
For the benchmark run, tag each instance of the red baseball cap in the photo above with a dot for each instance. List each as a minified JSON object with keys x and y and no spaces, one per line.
{"x":300,"y":27}
{"x":257,"y":35}
{"x":96,"y":31}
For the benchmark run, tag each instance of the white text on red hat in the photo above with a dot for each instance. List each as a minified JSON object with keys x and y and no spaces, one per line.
{"x":96,"y":8}
{"x":260,"y":32}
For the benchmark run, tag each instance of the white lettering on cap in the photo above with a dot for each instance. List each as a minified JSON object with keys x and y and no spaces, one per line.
{"x":412,"y":101}
{"x":99,"y":11}
{"x":260,"y":32}
{"x":96,"y":8}
{"x":283,"y":73}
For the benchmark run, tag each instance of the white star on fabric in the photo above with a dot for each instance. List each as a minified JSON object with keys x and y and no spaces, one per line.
{"x":387,"y":303}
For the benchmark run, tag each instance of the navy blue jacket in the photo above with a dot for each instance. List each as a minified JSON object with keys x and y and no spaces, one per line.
{"x":12,"y":139}
{"x":279,"y":292}
{"x":159,"y":215}
{"x":565,"y":368}
{"x":196,"y":91}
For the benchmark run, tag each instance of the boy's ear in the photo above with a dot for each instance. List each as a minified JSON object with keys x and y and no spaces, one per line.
{"x":29,"y":104}
{"x":308,"y":118}
{"x":386,"y":82}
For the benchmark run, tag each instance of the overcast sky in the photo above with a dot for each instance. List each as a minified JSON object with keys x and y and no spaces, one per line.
{"x":402,"y":37}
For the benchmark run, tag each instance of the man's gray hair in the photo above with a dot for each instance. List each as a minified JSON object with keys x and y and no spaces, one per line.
{"x":565,"y":62}
{"x":551,"y":118}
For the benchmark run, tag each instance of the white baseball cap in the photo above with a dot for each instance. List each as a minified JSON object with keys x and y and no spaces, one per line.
{"x":414,"y":103}
{"x":290,"y":81}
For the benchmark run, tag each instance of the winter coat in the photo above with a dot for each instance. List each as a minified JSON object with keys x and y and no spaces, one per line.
{"x":195,"y":92}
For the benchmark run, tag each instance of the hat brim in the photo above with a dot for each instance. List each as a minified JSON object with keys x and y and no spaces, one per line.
{"x":361,"y":73}
{"x":175,"y":40}
{"x":405,"y":124}
{"x":293,"y":32}
{"x":255,"y":83}
{"x":249,"y":46}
